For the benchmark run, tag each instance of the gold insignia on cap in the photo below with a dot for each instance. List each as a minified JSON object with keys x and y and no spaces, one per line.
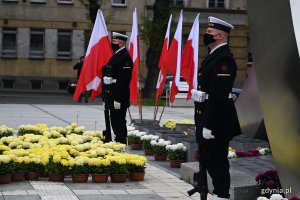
{"x":211,"y":24}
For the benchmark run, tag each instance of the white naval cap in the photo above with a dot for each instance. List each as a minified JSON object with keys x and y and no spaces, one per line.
{"x":119,"y":36}
{"x":219,"y":24}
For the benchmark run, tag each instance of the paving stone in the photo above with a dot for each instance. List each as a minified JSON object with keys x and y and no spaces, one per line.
{"x":113,"y":191}
{"x":59,"y":197}
{"x":97,"y":197}
{"x":16,"y":197}
{"x":24,"y":185}
{"x":14,"y":192}
{"x":139,"y":191}
{"x":139,"y":197}
{"x":86,"y":192}
{"x":32,"y":192}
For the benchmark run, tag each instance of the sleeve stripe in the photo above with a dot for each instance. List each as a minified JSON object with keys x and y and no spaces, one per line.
{"x":223,"y":74}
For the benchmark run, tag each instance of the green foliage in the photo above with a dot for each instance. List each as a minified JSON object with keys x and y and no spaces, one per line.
{"x":19,"y":167}
{"x":146,"y":144}
{"x":116,"y":168}
{"x":80,"y":169}
{"x":7,"y":168}
{"x":54,"y":167}
{"x":99,"y":169}
{"x":133,"y":139}
{"x":160,"y":150}
{"x":33,"y":167}
{"x":134,"y":168}
{"x":176,"y":155}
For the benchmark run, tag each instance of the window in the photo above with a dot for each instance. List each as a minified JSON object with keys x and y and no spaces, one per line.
{"x":38,"y":1}
{"x":36,"y":84}
{"x":176,"y":2}
{"x":119,"y":3}
{"x":36,"y":49}
{"x":249,"y":58}
{"x":9,"y":43}
{"x":64,"y":44}
{"x":7,"y":83}
{"x":62,"y":85}
{"x":216,"y":3}
{"x":12,"y":1}
{"x":65,"y":1}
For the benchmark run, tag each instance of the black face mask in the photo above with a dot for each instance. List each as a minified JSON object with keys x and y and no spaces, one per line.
{"x":208,"y":39}
{"x":115,"y":47}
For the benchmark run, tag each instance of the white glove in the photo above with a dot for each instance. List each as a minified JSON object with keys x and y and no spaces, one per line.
{"x":117,"y":105}
{"x":107,"y":80}
{"x":206,"y":133}
{"x":198,"y":95}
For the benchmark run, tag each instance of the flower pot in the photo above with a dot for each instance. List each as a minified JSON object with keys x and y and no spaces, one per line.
{"x":136,"y":176}
{"x":80,"y":178}
{"x":4,"y":179}
{"x":17,"y":176}
{"x":118,"y":178}
{"x":176,"y":163}
{"x":160,"y":157}
{"x":148,"y":152}
{"x":60,"y":177}
{"x":100,"y":178}
{"x":32,"y":176}
{"x":136,"y":146}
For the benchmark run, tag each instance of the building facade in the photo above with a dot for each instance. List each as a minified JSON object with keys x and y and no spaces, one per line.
{"x":41,"y":40}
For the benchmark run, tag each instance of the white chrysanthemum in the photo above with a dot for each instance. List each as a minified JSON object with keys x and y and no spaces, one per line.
{"x":276,"y":197}
{"x":262,"y":198}
{"x":231,"y":154}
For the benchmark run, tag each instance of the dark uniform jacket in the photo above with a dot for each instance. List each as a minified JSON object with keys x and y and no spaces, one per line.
{"x":216,"y":77}
{"x":119,"y":67}
{"x":78,"y":67}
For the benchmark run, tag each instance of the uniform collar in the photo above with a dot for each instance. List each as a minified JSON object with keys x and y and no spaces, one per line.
{"x":119,"y":49}
{"x":220,"y":45}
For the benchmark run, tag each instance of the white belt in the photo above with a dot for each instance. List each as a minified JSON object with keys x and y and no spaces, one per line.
{"x":200,"y":96}
{"x":229,"y":96}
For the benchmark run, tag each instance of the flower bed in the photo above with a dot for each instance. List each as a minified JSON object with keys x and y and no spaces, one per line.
{"x":57,"y":150}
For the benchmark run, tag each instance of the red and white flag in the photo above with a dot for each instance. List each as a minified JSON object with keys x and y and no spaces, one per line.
{"x":189,"y":60}
{"x":134,"y":51}
{"x":163,"y":69}
{"x":173,"y":59}
{"x":97,"y":55}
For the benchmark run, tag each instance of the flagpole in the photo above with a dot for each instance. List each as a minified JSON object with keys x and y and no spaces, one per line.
{"x":155,"y":109}
{"x":140,"y":104}
{"x":130,"y":115}
{"x":163,"y":110}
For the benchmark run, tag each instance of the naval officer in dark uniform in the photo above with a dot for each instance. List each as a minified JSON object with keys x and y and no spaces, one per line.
{"x":116,"y":80}
{"x":215,"y":114}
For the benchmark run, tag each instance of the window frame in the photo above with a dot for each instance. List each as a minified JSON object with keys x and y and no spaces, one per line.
{"x":118,"y":4}
{"x":216,"y":3}
{"x":11,"y":53}
{"x":66,"y":2}
{"x":60,"y":54}
{"x":174,"y":3}
{"x":31,"y":54}
{"x":38,"y":1}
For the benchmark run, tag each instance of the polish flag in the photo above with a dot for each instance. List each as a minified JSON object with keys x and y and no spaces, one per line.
{"x":163,"y":69}
{"x":134,"y":51}
{"x":97,"y":55}
{"x":173,"y":59}
{"x":189,"y":60}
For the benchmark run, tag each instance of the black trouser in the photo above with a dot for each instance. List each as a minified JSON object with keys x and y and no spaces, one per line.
{"x":118,"y":123}
{"x":216,"y":163}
